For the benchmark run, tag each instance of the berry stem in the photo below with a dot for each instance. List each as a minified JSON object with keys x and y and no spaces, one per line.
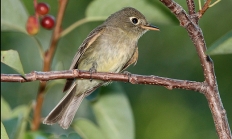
{"x":35,"y":4}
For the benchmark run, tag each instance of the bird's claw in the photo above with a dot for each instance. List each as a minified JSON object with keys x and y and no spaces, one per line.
{"x":93,"y":70}
{"x":128,"y":74}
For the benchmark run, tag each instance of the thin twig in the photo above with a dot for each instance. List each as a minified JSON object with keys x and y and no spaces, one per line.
{"x":108,"y":77}
{"x":191,"y":7}
{"x":199,"y":2}
{"x":80,"y":22}
{"x":48,"y":56}
{"x":211,"y":92}
{"x":192,"y":11}
{"x":204,"y":8}
{"x":216,"y":2}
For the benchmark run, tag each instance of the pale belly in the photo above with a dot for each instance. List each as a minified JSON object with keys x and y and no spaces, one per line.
{"x":105,"y":55}
{"x":108,"y":55}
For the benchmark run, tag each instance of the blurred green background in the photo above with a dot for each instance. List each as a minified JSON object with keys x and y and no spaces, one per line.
{"x":157,"y":112}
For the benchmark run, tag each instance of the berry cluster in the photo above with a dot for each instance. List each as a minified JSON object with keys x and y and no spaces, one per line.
{"x":46,"y":21}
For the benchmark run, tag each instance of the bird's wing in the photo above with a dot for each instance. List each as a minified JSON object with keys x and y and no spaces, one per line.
{"x":81,"y":50}
{"x":132,"y":60}
{"x":85,"y":45}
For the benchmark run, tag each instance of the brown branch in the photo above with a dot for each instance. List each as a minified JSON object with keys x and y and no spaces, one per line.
{"x":192,"y":11}
{"x":211,"y":92}
{"x":132,"y":78}
{"x":191,"y":7}
{"x":48,"y":56}
{"x":204,"y":8}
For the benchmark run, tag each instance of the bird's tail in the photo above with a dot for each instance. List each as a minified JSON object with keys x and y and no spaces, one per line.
{"x":65,"y":110}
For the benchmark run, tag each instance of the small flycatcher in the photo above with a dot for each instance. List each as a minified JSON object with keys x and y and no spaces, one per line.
{"x":111,"y":47}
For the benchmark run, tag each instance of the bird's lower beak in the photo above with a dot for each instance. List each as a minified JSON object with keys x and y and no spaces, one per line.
{"x":150,"y":27}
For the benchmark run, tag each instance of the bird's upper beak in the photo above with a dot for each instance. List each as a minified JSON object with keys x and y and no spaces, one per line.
{"x":150,"y":27}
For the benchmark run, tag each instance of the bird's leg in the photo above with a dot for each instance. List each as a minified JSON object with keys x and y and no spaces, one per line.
{"x":128,"y":74}
{"x":93,"y":69}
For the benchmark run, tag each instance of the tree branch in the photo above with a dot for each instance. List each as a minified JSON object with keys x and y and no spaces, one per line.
{"x":48,"y":57}
{"x":211,"y":92}
{"x":192,"y":11}
{"x":204,"y":8}
{"x":191,"y":7}
{"x":108,"y":77}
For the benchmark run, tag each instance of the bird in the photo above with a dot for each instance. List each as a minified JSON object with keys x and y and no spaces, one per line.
{"x":110,"y":47}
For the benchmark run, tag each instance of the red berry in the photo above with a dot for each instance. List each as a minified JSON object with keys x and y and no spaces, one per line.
{"x":42,"y":8}
{"x":32,"y":25}
{"x":48,"y":22}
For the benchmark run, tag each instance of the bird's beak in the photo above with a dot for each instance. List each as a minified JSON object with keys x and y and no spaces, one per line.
{"x":150,"y":27}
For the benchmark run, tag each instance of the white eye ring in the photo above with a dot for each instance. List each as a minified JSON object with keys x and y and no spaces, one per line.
{"x":134,"y":20}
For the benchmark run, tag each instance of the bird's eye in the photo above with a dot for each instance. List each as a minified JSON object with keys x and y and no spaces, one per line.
{"x":134,"y":20}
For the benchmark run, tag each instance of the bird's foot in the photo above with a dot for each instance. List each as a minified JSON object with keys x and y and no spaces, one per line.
{"x":128,"y":74}
{"x":93,"y":70}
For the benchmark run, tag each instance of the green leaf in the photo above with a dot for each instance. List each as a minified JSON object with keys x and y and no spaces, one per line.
{"x":5,"y":109}
{"x":152,"y":12}
{"x":13,"y":16}
{"x":37,"y":135}
{"x":87,"y":129}
{"x":3,"y":132}
{"x":114,"y":114}
{"x":11,"y":58}
{"x":22,"y":112}
{"x":222,"y":45}
{"x":70,"y":136}
{"x":17,"y":121}
{"x":10,"y":125}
